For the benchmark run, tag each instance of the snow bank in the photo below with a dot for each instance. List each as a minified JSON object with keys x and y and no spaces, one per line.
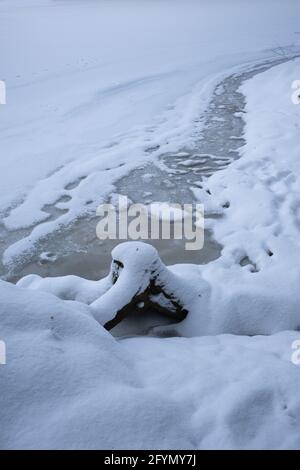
{"x":255,"y":283}
{"x":68,"y":384}
{"x":137,"y":272}
{"x":68,"y":287}
{"x":236,"y":392}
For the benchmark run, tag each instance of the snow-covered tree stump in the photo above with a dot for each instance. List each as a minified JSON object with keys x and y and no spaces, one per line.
{"x":139,"y":279}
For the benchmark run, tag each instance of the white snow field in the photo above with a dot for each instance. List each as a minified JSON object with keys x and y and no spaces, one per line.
{"x":68,"y":384}
{"x":229,"y":379}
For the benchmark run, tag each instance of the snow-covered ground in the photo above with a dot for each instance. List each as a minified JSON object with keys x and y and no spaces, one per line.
{"x":261,"y":223}
{"x":67,"y":382}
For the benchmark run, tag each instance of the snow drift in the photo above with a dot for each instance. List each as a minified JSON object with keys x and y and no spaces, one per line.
{"x":68,"y":384}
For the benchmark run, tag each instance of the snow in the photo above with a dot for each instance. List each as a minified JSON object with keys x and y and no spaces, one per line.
{"x":86,"y":106}
{"x":262,"y":220}
{"x":140,"y":263}
{"x":227,"y":381}
{"x":69,"y":384}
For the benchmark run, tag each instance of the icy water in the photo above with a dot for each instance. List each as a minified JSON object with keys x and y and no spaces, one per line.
{"x":78,"y":250}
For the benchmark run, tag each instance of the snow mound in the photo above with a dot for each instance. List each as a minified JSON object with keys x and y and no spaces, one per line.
{"x":68,"y":384}
{"x":137,"y":274}
{"x":237,"y":392}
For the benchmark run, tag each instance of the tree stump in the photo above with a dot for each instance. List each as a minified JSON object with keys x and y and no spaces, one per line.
{"x":139,"y":280}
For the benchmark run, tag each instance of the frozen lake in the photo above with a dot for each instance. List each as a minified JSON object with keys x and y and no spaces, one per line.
{"x":124,"y":84}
